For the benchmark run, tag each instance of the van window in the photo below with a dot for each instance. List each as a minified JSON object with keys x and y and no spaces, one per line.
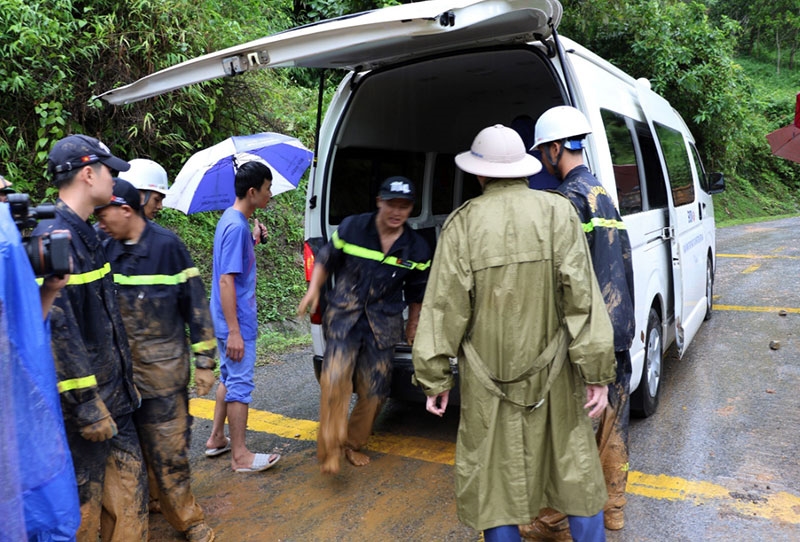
{"x":623,"y":159}
{"x":680,"y":173}
{"x":705,"y":184}
{"x":358,"y":173}
{"x":654,"y":184}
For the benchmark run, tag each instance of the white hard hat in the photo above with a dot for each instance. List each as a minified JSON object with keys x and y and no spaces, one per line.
{"x":561,"y":122}
{"x":145,"y":174}
{"x":498,"y":152}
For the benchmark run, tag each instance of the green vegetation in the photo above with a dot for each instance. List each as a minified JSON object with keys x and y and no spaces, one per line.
{"x":727,"y":65}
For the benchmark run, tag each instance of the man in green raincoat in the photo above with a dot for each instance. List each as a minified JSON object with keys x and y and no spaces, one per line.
{"x":512,"y":294}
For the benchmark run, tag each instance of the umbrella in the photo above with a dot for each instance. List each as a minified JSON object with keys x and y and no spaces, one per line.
{"x":205,"y":183}
{"x":785,"y":142}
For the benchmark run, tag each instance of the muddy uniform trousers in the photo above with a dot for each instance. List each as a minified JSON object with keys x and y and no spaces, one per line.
{"x":352,"y":361}
{"x":611,"y":435}
{"x":164,"y":428}
{"x":112,"y":485}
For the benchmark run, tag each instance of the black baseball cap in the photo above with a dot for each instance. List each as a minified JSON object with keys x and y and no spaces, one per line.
{"x":124,"y":194}
{"x":397,"y":187}
{"x":76,"y":151}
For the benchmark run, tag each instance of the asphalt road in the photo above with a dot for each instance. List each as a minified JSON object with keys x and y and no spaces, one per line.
{"x":718,"y":460}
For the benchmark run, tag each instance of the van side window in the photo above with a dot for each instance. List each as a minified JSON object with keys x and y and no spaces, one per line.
{"x":623,"y":159}
{"x":680,"y":173}
{"x":655,"y":185}
{"x":705,"y":184}
{"x":358,"y":173}
{"x":444,"y":177}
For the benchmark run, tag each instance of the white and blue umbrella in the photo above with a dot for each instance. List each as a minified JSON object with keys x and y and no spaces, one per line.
{"x":205,"y":183}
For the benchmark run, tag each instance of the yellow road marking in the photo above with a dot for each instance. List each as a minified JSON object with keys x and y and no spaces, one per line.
{"x":781,"y":506}
{"x":754,"y":309}
{"x":751,"y":268}
{"x":759,"y":256}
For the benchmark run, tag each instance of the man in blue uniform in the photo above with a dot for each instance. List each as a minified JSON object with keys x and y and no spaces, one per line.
{"x":161,"y":294}
{"x":92,"y":357}
{"x":559,"y":134}
{"x":380,"y":265}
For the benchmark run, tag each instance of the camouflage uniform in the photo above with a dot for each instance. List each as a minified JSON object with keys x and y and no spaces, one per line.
{"x":362,"y":323}
{"x":611,"y":258}
{"x":94,"y":372}
{"x":160,"y":293}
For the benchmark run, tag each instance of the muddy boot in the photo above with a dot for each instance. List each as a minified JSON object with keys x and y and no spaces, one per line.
{"x":614,"y":518}
{"x":200,"y":532}
{"x":550,"y":526}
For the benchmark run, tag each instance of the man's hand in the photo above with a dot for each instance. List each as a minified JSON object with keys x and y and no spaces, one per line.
{"x":597,"y":399}
{"x":259,"y":232}
{"x":437,"y":404}
{"x":309,"y":301}
{"x":413,"y":319}
{"x":100,"y":430}
{"x":203,"y":380}
{"x":234,"y":347}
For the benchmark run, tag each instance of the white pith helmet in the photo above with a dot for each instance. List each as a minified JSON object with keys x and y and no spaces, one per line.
{"x":145,"y":174}
{"x":498,"y":152}
{"x":561,"y":122}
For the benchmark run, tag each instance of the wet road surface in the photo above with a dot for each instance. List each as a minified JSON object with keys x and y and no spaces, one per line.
{"x":717,"y":461}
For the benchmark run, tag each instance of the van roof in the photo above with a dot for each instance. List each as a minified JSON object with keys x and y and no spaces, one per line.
{"x":363,"y":41}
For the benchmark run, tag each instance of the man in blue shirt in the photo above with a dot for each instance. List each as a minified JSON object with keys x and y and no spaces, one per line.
{"x":233,"y":311}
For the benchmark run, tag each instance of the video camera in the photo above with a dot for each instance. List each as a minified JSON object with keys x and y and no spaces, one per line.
{"x":48,"y":253}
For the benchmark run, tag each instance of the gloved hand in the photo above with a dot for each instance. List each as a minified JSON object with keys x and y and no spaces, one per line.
{"x":204,"y":379}
{"x":101,"y":430}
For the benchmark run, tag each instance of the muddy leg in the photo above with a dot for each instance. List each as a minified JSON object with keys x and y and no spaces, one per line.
{"x":89,"y":461}
{"x":124,"y":515}
{"x":336,"y":388}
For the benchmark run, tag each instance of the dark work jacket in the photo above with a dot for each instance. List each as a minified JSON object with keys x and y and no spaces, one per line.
{"x":368,"y":283}
{"x":160,"y":293}
{"x":610,"y":248}
{"x":90,"y":348}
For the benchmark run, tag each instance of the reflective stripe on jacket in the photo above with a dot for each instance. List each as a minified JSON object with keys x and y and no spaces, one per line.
{"x":161,"y":293}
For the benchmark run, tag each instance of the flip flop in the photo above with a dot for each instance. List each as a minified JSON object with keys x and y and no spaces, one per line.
{"x":261,"y":462}
{"x":213,"y":452}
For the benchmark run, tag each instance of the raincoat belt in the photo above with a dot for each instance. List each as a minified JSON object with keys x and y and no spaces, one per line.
{"x":553,"y":355}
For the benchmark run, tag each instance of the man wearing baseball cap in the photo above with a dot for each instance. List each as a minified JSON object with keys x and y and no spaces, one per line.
{"x":93,"y":361}
{"x":160,"y":295}
{"x":380,"y":265}
{"x":513,"y":295}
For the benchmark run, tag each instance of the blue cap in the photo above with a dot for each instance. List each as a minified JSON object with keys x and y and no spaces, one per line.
{"x":78,"y":150}
{"x":397,"y":187}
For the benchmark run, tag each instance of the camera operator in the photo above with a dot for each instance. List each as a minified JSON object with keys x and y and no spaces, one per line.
{"x":92,"y":356}
{"x":5,"y":189}
{"x":38,"y":498}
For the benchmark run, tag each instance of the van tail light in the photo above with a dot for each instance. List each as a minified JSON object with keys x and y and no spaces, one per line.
{"x":308,"y":263}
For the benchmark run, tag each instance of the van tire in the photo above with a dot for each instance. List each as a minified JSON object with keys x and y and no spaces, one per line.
{"x":644,"y":400}
{"x":709,"y":289}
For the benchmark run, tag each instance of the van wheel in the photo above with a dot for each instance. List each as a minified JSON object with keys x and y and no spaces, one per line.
{"x":644,"y":400}
{"x":709,"y":289}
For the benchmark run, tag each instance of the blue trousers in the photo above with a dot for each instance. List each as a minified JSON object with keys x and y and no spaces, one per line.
{"x":583,"y":529}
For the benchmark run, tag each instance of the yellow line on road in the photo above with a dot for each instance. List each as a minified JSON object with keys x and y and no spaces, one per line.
{"x":743,"y":308}
{"x":751,"y":268}
{"x":759,"y":256}
{"x":781,"y":506}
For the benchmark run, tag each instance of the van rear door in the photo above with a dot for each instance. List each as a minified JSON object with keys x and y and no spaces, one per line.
{"x":363,"y":41}
{"x":685,"y":231}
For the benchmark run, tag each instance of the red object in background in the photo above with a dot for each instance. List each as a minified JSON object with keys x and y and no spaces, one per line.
{"x":785,"y":142}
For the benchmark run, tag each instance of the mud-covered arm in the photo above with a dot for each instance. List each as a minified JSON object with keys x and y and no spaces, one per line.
{"x":446,"y":311}
{"x":583,"y":308}
{"x":77,"y":382}
{"x":195,"y":311}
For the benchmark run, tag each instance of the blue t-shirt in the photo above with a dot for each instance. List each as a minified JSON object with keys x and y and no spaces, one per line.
{"x":234,"y":254}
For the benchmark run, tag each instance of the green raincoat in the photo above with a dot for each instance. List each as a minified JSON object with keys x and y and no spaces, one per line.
{"x":513,"y":296}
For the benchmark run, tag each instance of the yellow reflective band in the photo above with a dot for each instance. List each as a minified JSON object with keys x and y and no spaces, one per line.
{"x":204,"y":345}
{"x":603,"y":223}
{"x":90,"y":276}
{"x":77,"y":383}
{"x":376,"y":255}
{"x":152,"y":280}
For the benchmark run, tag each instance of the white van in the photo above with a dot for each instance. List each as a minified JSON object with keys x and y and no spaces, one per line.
{"x":422,"y":79}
